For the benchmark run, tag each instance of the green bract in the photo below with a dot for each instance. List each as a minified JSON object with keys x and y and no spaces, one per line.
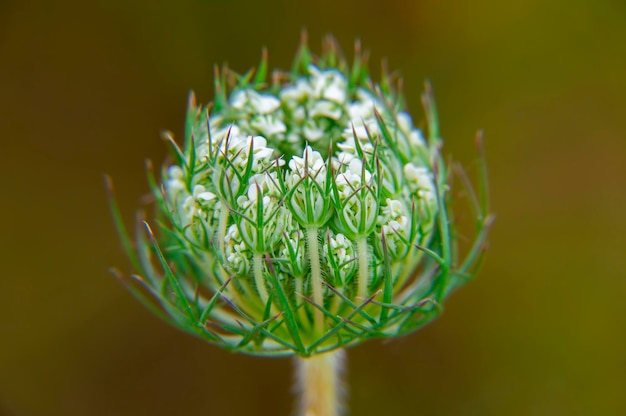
{"x":302,"y":215}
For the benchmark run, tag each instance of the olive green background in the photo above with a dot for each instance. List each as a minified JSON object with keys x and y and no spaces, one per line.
{"x":87,"y":86}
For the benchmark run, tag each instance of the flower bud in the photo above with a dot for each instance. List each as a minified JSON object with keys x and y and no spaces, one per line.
{"x":302,"y":215}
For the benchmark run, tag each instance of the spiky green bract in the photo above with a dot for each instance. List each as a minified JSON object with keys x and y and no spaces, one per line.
{"x":303,"y":214}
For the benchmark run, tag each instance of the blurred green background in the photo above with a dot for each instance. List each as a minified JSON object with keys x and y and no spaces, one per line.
{"x":87,"y":86}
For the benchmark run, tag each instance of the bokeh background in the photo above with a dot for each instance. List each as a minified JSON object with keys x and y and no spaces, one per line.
{"x":87,"y":86}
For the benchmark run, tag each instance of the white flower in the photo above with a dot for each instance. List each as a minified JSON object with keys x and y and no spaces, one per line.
{"x":352,"y":178}
{"x":393,"y":217}
{"x":293,"y":137}
{"x":232,"y":235}
{"x":343,"y":159}
{"x":417,"y":138}
{"x":325,"y":108}
{"x":268,"y":125}
{"x":239,"y":99}
{"x":235,"y":251}
{"x":221,"y":134}
{"x":189,"y":210}
{"x":237,"y":149}
{"x":420,"y":180}
{"x":328,"y":84}
{"x":176,"y":182}
{"x":393,"y":228}
{"x":365,"y":130}
{"x":357,"y":129}
{"x":349,"y":146}
{"x":340,"y":256}
{"x":311,"y":161}
{"x":404,"y":121}
{"x":248,"y":99}
{"x":312,"y":132}
{"x":264,"y":185}
{"x":296,"y":93}
{"x":419,"y":176}
{"x":363,"y":107}
{"x":200,"y":193}
{"x":294,"y":249}
{"x":392,"y":209}
{"x":340,"y":245}
{"x":299,"y":115}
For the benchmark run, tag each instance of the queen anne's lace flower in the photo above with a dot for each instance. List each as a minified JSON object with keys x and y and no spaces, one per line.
{"x":302,"y":216}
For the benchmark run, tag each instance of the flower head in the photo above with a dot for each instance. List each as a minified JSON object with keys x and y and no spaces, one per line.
{"x":303,"y":215}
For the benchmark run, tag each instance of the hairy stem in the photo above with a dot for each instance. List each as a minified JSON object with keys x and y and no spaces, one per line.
{"x":364,"y":262}
{"x":299,"y":281}
{"x":221,"y":230}
{"x":320,"y":385}
{"x":316,"y":278}
{"x":259,"y":279}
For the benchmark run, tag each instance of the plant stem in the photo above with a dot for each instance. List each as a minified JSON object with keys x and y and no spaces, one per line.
{"x":221,"y":230}
{"x":320,"y":384}
{"x":364,"y":262}
{"x":259,"y":279}
{"x":316,"y":278}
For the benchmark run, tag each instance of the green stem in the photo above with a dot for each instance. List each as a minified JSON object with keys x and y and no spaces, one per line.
{"x":221,"y":230}
{"x":299,"y":281}
{"x":259,"y":279}
{"x":364,"y":261}
{"x":316,"y":278}
{"x":320,"y":384}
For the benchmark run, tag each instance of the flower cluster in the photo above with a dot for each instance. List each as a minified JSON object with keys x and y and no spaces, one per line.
{"x":302,"y":216}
